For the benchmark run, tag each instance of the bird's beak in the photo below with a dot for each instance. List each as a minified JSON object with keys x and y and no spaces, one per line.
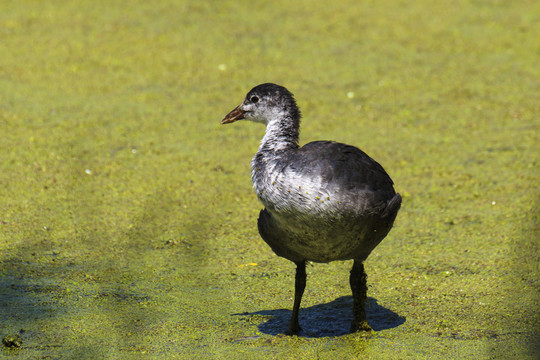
{"x":236,"y":114}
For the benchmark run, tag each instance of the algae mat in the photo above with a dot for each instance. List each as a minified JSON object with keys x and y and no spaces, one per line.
{"x":127,"y":218}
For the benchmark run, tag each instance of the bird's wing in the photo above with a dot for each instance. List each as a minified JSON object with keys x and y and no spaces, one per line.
{"x":341,"y":165}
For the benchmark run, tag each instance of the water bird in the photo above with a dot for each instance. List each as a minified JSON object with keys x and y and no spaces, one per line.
{"x":324,"y":201}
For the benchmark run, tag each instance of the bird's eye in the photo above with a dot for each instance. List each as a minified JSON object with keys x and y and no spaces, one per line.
{"x":254,"y":99}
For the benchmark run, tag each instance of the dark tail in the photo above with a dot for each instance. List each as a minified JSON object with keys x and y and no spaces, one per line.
{"x":392,"y":208}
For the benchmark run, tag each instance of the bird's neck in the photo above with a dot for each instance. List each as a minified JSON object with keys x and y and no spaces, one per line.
{"x":281,"y":134}
{"x":280,"y":139}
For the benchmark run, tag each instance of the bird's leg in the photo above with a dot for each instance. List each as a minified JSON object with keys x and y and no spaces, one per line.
{"x":358,"y":282}
{"x":299,"y":286}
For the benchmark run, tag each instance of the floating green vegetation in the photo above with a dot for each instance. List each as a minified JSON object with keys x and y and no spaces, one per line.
{"x":127,"y":217}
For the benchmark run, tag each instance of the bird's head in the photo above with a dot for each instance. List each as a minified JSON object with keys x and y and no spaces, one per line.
{"x":264,"y":103}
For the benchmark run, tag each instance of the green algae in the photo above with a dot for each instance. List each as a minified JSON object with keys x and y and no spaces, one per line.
{"x":127,"y":220}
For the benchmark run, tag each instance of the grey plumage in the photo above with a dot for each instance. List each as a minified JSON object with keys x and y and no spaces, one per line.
{"x":324,"y":201}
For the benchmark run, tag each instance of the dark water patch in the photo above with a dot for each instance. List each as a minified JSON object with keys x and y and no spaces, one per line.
{"x":326,"y":320}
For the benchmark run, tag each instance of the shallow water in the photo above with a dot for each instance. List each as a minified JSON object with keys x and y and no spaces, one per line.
{"x":127,"y":218}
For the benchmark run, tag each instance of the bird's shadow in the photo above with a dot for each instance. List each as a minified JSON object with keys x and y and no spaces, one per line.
{"x":326,"y":320}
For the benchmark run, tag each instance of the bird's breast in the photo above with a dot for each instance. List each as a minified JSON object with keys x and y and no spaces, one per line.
{"x":288,"y":192}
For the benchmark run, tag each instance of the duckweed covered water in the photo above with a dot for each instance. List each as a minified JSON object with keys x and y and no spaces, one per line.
{"x":127,"y":218}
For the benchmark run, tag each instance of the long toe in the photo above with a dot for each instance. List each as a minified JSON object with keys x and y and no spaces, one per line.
{"x":293,"y":330}
{"x":358,"y":326}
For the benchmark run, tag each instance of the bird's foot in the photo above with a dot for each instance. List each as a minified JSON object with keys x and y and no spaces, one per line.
{"x":293,"y":330}
{"x":358,"y":326}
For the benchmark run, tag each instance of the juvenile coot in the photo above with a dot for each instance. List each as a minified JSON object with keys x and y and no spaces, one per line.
{"x":323,"y":201}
